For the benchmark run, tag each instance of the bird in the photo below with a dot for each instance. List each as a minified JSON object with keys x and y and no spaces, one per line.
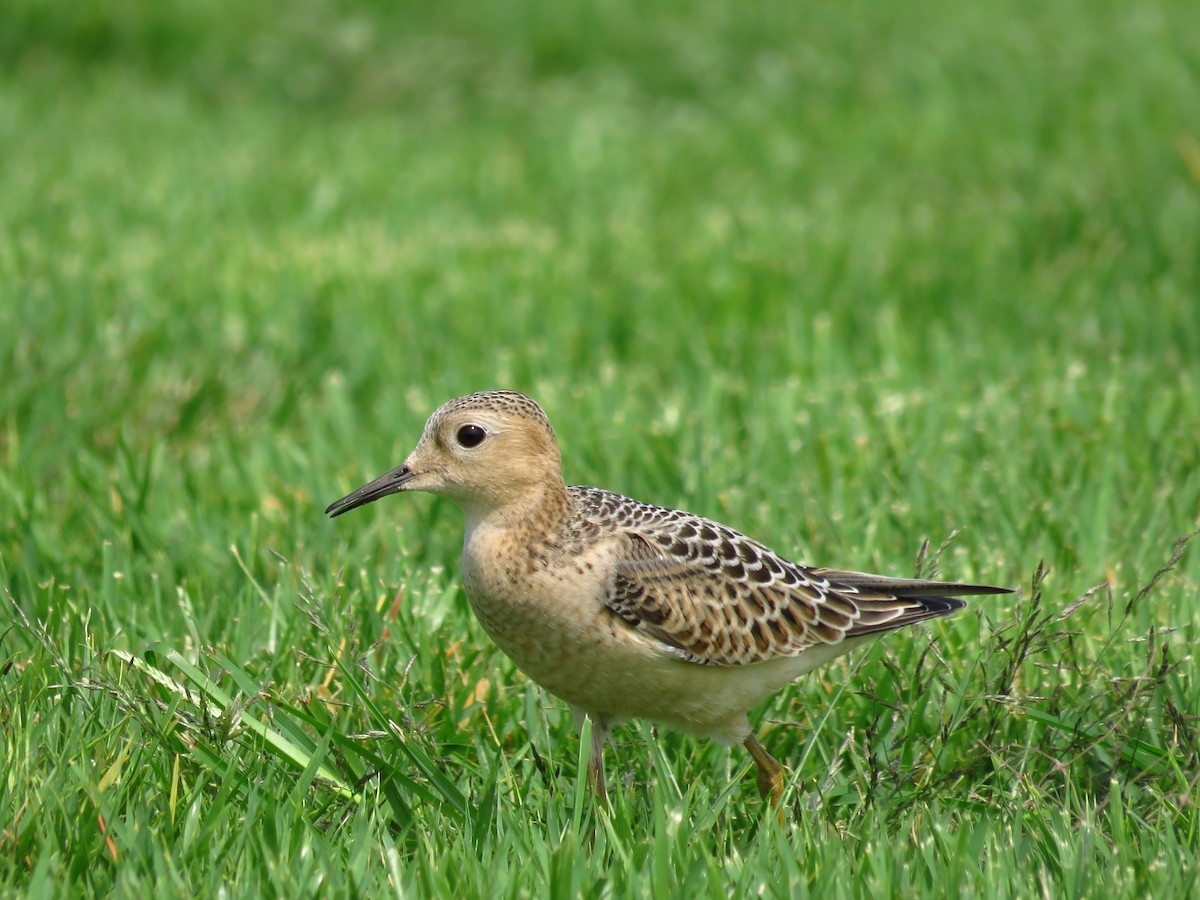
{"x":629,"y":610}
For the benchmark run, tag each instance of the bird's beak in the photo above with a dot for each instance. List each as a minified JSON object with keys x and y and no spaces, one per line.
{"x":391,"y":483}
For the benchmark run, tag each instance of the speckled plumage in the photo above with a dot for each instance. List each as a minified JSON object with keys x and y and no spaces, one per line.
{"x":625,"y":609}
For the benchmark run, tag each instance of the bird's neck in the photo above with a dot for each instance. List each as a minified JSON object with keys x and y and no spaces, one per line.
{"x":543,"y":506}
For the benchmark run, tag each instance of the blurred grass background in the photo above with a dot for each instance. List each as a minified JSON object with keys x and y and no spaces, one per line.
{"x":845,"y":278}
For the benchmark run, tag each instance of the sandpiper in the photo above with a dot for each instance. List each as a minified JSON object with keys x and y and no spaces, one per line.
{"x":624,"y":609}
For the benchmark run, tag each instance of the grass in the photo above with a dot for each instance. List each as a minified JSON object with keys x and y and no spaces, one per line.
{"x":848,"y":279}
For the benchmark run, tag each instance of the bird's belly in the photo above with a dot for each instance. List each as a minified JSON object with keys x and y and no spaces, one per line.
{"x":574,"y":651}
{"x":586,"y":655}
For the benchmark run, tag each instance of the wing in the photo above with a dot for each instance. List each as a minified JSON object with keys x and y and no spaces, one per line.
{"x":715,"y":596}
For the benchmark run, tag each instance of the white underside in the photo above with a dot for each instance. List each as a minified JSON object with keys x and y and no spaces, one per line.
{"x":632,"y":677}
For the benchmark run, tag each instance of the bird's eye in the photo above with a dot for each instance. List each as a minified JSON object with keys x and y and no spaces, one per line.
{"x":471,"y":435}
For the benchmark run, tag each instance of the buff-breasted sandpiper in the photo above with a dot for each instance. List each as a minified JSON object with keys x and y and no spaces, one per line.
{"x":627,"y":610}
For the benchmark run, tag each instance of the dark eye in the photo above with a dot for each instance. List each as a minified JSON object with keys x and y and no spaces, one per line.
{"x":471,"y":435}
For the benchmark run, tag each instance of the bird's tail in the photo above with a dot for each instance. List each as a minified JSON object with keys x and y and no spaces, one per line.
{"x":906,"y":587}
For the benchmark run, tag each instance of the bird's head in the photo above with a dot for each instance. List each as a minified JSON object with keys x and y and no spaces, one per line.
{"x":487,"y":451}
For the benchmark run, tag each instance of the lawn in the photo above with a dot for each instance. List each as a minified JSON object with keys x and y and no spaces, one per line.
{"x":849,"y":277}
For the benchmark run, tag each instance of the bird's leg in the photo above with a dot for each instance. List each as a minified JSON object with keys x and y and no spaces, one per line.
{"x":770,"y":772}
{"x":595,"y":768}
{"x":596,"y":772}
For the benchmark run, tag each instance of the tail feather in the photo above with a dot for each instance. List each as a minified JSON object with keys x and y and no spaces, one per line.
{"x":919,"y":599}
{"x":916,"y":588}
{"x":921,"y":609}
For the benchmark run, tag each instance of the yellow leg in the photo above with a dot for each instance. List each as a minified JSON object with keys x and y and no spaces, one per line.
{"x":770,"y":773}
{"x":595,"y":767}
{"x":596,"y":775}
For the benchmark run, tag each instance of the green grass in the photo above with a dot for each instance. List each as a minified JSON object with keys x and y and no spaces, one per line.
{"x":846,"y":277}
